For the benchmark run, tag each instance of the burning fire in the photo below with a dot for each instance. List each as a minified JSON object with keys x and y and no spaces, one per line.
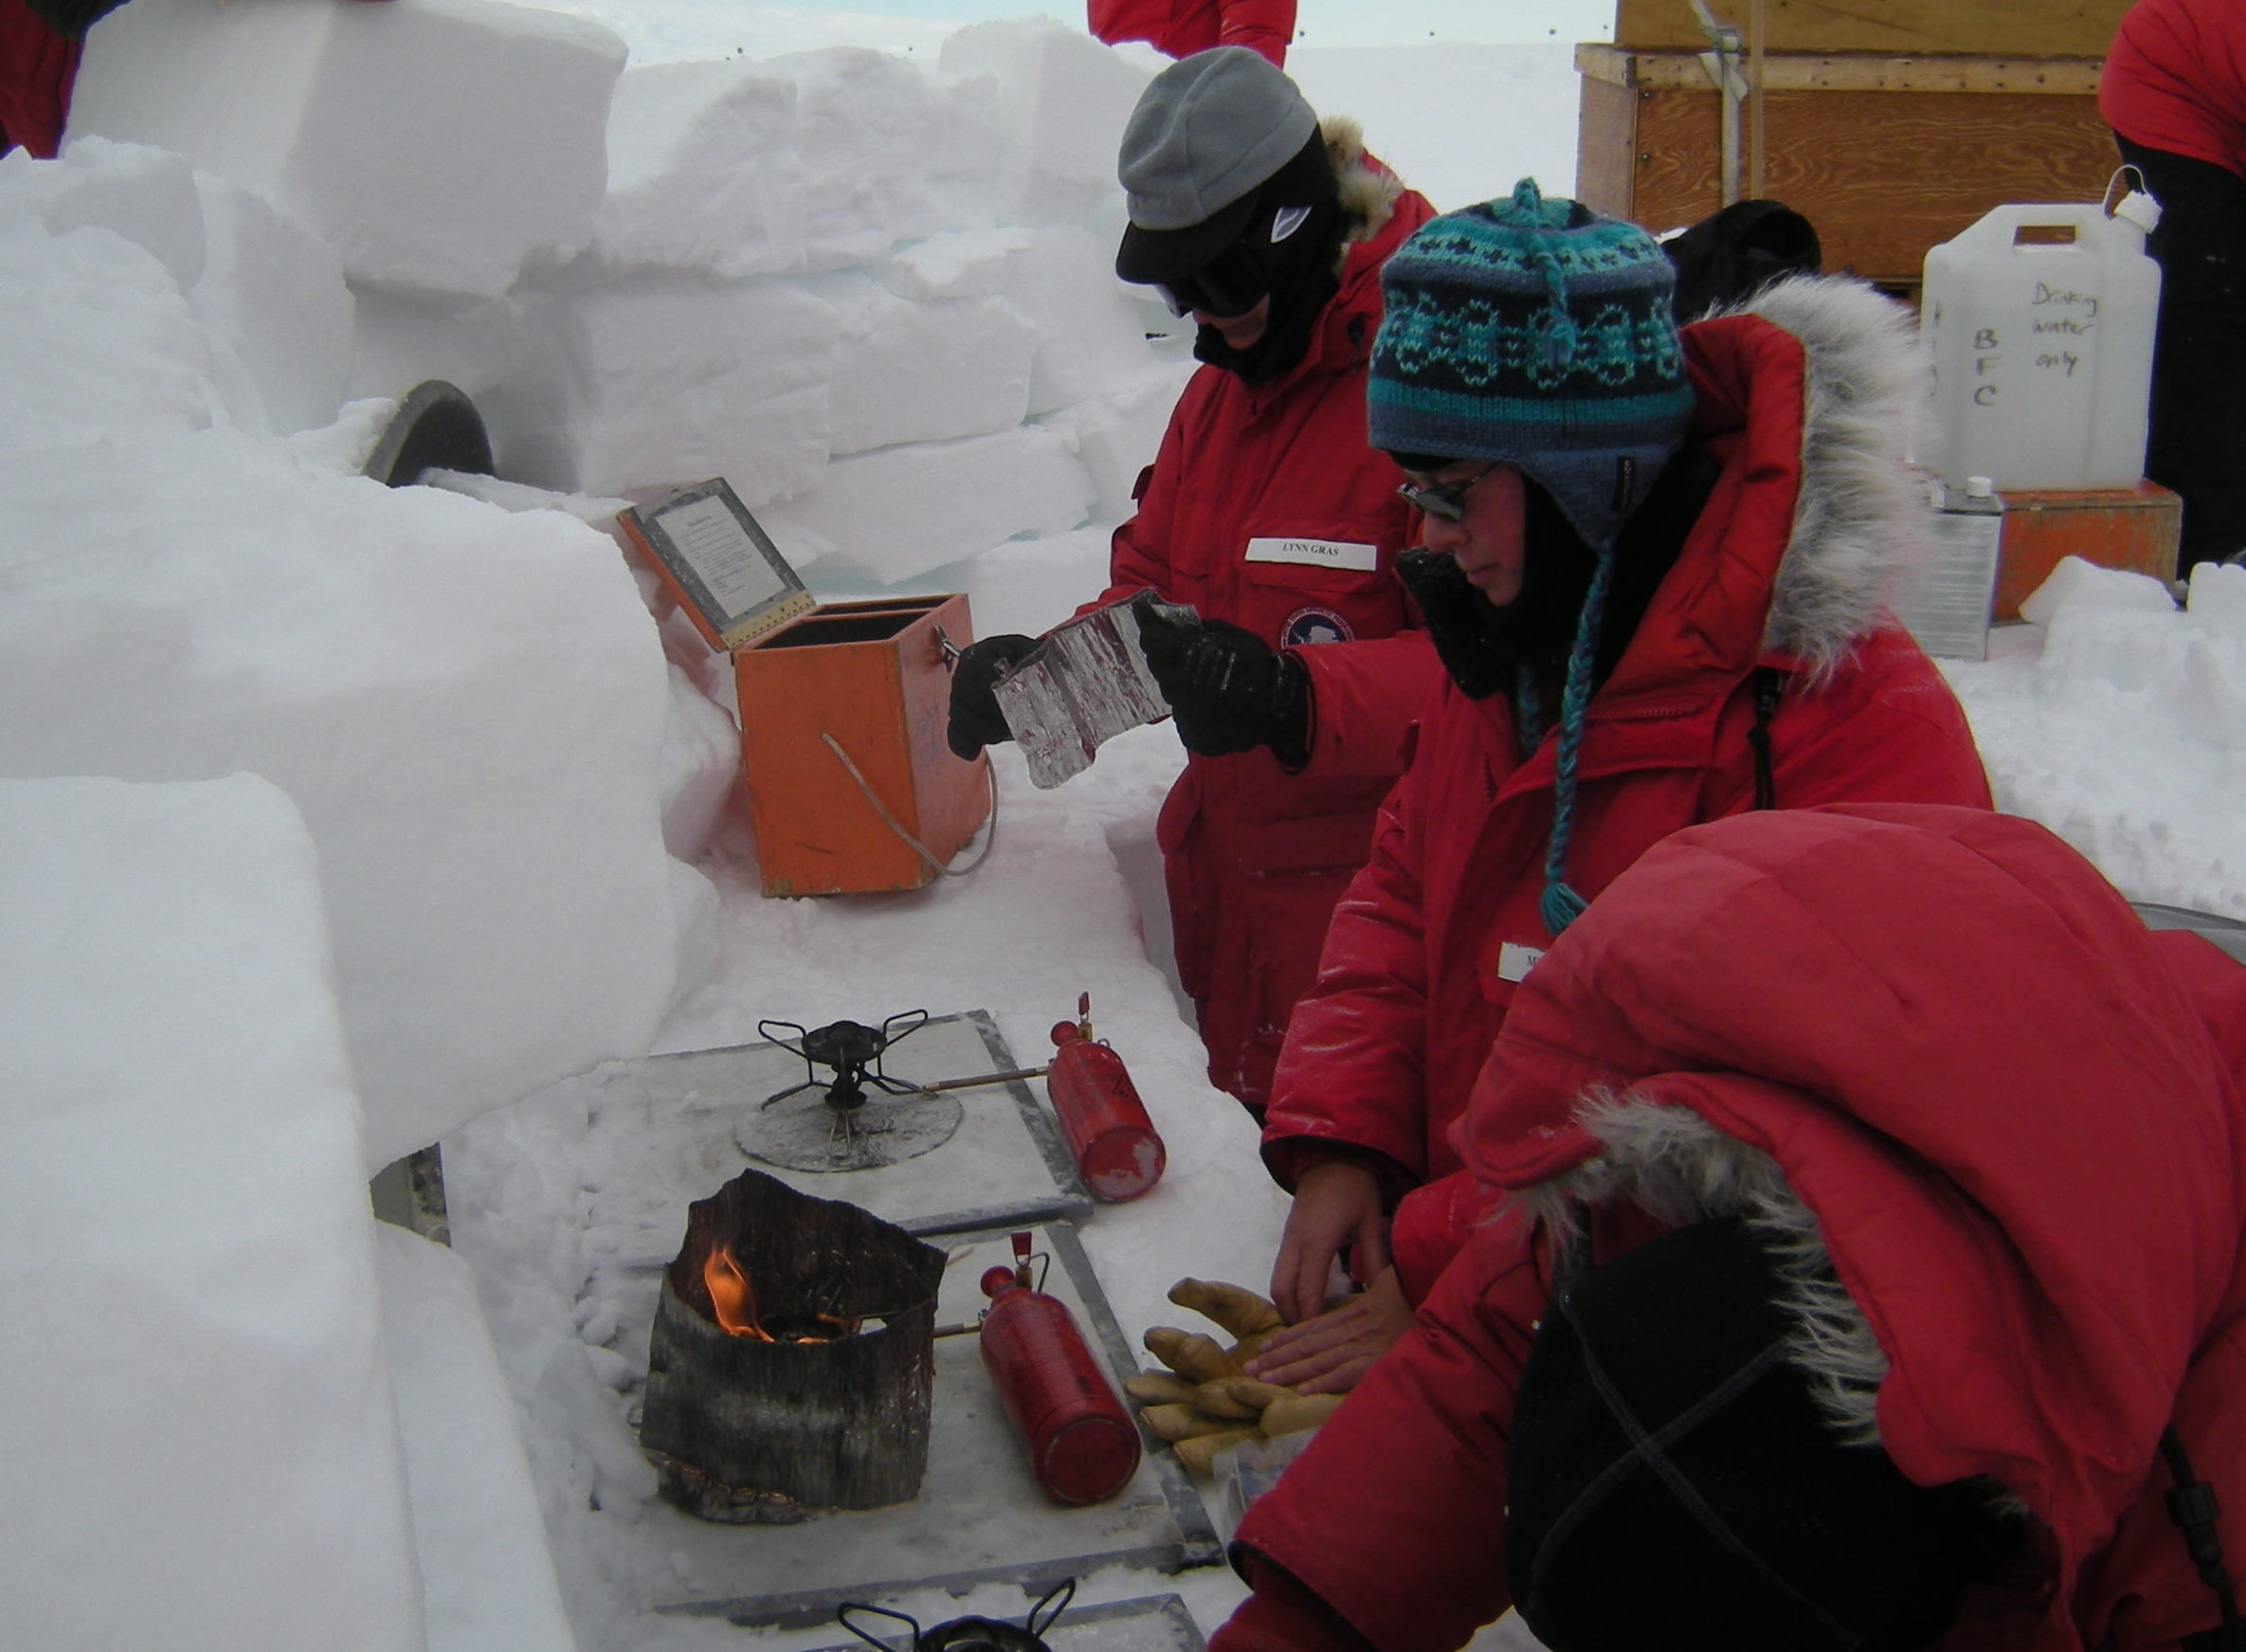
{"x":734,"y":1301}
{"x":731,"y":1295}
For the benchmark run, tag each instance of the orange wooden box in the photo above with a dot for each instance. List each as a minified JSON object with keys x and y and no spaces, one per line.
{"x":2137,"y":529}
{"x":863,"y":681}
{"x":842,"y":706}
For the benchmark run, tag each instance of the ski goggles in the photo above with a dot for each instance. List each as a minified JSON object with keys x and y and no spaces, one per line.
{"x":1229,"y":284}
{"x":1444,"y":500}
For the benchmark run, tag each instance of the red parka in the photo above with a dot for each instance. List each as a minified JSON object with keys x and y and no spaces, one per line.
{"x":1936,"y":1041}
{"x":2176,"y":80}
{"x":1250,"y":480}
{"x":37,"y":66}
{"x":1803,"y":403}
{"x":1182,"y":28}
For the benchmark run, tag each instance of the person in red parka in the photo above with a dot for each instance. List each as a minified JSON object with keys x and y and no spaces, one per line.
{"x":1268,"y":512}
{"x":1179,"y":29}
{"x":40,"y":44}
{"x":1985,"y":1126}
{"x":1653,"y":569}
{"x":2174,"y":91}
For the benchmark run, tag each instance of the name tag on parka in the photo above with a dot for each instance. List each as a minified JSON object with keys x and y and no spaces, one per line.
{"x":1316,"y":554}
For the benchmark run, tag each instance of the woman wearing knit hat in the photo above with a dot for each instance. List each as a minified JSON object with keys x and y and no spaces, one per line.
{"x":1872,"y":1276}
{"x":1653,"y":570}
{"x":1267,"y":512}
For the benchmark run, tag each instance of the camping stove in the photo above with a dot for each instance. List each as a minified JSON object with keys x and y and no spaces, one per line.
{"x":855,"y":1119}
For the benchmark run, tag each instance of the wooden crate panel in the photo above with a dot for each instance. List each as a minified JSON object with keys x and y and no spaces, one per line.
{"x":1883,"y":175}
{"x":2024,"y":27}
{"x":2134,"y":528}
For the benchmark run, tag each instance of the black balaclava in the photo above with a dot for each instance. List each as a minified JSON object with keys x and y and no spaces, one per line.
{"x":1303,"y":271}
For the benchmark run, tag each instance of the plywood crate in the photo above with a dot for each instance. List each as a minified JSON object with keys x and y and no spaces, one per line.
{"x":2136,"y":529}
{"x":1886,"y":155}
{"x":2052,"y":29}
{"x":863,"y":685}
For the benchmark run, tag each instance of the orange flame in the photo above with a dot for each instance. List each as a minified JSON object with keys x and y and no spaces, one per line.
{"x":731,"y":1295}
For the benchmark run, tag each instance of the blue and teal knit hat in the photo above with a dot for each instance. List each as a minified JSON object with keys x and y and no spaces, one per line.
{"x":1539,"y":335}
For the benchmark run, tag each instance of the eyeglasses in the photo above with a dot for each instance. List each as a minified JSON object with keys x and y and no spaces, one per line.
{"x":1444,"y":500}
{"x":1229,"y":284}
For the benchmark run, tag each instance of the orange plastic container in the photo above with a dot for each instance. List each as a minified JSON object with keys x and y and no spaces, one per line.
{"x":855,"y":685}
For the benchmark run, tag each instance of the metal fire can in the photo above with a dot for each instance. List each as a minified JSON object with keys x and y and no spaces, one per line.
{"x":1083,"y":1446}
{"x":1117,"y":1151}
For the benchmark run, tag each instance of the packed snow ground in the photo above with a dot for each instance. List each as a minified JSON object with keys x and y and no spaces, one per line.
{"x":337,"y":820}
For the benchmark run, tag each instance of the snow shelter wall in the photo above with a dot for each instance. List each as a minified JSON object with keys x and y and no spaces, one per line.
{"x":196,"y":1417}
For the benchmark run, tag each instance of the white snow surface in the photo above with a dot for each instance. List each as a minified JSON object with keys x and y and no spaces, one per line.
{"x":335,"y":820}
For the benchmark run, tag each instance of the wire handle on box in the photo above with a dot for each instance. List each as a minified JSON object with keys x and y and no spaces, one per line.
{"x":990,"y":775}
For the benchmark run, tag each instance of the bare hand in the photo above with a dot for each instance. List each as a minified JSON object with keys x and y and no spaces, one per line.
{"x":1327,"y":1356}
{"x":1336,"y":1202}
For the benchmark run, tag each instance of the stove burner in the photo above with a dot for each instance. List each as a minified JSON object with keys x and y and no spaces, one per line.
{"x":826,"y":1124}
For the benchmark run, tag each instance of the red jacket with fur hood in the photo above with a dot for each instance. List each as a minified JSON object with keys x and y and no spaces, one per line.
{"x":1255,"y":856}
{"x":1933,"y":1042}
{"x":1805,"y":402}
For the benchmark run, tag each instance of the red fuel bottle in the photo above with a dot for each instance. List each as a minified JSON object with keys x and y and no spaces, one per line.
{"x":1109,"y":1134}
{"x":1083,"y":1446}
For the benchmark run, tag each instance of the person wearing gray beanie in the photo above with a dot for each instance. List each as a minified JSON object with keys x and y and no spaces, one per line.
{"x":1294,"y":676}
{"x":1652,"y":560}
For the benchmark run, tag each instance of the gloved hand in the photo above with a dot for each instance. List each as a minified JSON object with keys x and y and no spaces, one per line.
{"x":975,"y":720}
{"x":1206,"y":1401}
{"x":1227,"y":688}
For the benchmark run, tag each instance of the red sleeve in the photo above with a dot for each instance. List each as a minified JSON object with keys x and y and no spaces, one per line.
{"x":1262,"y":26}
{"x":1365,"y":698}
{"x":1393,"y":1517}
{"x":1282,"y":1616}
{"x":1433,"y":1224}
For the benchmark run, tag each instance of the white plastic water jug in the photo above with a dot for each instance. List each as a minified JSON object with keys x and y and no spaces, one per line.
{"x":2040,"y":323}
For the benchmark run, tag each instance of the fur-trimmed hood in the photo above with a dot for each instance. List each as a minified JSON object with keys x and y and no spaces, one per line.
{"x":1995,"y":1121}
{"x":1836,"y":390}
{"x":1368,"y":193}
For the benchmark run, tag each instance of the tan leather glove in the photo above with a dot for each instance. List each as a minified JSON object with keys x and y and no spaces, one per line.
{"x":1206,"y":1401}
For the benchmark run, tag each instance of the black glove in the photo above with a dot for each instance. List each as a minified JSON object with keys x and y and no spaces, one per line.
{"x":976,"y":722}
{"x":1227,"y":689}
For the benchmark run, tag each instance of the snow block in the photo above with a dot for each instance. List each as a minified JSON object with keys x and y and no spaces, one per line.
{"x":204,"y":1454}
{"x":1116,"y":435}
{"x":400,"y":342}
{"x":436,"y":144}
{"x":487,"y":1577}
{"x":106,"y":343}
{"x":1090,"y":337}
{"x":653,"y":381}
{"x":1062,"y":101}
{"x":963,"y":263}
{"x":466,"y":705}
{"x":703,"y":172}
{"x":896,"y":513}
{"x":1089,"y":334}
{"x":890,"y":153}
{"x":144,"y":195}
{"x":2077,"y":583}
{"x":272,"y":298}
{"x":923,"y":371}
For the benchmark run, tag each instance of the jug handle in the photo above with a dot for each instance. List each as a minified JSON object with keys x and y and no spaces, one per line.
{"x":2136,"y":204}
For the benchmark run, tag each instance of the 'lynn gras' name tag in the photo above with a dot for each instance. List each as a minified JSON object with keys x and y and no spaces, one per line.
{"x":1316,"y":554}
